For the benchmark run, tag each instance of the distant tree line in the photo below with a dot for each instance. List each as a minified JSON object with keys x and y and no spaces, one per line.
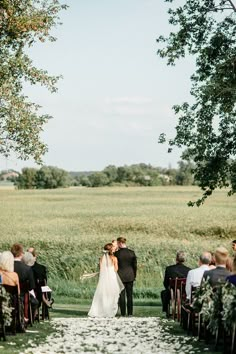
{"x":138,"y":174}
{"x":49,"y":177}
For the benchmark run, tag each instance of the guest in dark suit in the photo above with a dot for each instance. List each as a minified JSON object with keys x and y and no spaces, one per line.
{"x":127,"y":269}
{"x":218,"y":275}
{"x":40,"y":277}
{"x":178,"y":270}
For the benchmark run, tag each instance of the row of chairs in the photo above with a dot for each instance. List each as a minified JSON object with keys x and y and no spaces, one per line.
{"x":21,"y":309}
{"x":192,"y":321}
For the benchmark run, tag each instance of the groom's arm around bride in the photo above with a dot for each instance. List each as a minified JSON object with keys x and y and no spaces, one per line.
{"x":127,"y":270}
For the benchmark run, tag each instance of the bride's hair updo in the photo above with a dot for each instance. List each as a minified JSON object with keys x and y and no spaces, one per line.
{"x":108,"y":247}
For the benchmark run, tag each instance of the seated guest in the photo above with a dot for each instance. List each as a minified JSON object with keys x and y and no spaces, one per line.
{"x":232,"y":278}
{"x":194,"y":276}
{"x":219,"y":274}
{"x":9,"y":277}
{"x":24,"y":272}
{"x":178,"y":270}
{"x":40,"y":276}
{"x":29,"y":260}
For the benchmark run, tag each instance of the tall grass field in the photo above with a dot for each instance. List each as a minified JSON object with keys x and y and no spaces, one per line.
{"x":69,"y":227}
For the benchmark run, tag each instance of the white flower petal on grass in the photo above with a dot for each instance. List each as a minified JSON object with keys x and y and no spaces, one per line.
{"x":111,"y":336}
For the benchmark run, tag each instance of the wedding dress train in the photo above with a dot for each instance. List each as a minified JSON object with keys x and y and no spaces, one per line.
{"x":105,"y":300}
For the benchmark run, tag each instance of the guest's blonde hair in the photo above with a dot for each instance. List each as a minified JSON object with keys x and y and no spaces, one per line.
{"x":7,"y":261}
{"x":221,"y":255}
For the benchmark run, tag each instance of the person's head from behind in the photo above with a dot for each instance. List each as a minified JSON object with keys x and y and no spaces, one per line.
{"x":234,"y":245}
{"x":205,"y":258}
{"x":121,"y":241}
{"x":17,"y":250}
{"x":109,"y":248}
{"x":115,"y":245}
{"x":180,"y":257}
{"x":7,"y":261}
{"x":221,"y":256}
{"x":28,"y":259}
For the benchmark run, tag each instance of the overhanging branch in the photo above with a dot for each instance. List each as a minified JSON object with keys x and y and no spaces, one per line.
{"x":232,"y":4}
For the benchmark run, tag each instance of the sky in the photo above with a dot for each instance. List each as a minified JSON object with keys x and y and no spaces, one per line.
{"x":116,"y":94}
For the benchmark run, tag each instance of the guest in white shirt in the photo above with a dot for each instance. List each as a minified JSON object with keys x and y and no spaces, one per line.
{"x":194,"y":276}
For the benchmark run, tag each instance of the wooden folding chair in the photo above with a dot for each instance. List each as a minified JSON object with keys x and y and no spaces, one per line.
{"x":172,"y":297}
{"x":24,"y":288}
{"x":175,"y":295}
{"x":180,"y":295}
{"x":190,"y":315}
{"x":45,"y":311}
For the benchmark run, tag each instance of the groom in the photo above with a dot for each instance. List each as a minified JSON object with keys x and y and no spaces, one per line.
{"x":127,"y":269}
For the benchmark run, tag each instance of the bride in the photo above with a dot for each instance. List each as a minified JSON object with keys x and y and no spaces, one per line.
{"x":105,"y":300}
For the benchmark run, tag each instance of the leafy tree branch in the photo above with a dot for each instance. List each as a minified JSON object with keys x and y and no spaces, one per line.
{"x":206,"y":128}
{"x":22,"y":23}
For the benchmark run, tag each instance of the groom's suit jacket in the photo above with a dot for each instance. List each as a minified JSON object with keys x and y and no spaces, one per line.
{"x":127,"y":264}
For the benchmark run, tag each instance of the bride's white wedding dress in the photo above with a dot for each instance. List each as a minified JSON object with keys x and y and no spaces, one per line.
{"x":105,"y":300}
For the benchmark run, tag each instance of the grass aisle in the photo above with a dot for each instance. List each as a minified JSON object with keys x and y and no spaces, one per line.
{"x":147,"y":332}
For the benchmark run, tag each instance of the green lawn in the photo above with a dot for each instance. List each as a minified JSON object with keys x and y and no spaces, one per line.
{"x":18,"y":343}
{"x":69,"y":227}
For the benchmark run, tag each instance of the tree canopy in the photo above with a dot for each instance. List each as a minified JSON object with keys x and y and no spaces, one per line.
{"x":47,"y":177}
{"x":22,"y":23}
{"x":206,"y":30}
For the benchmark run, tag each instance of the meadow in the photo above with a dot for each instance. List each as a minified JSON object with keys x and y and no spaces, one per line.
{"x":69,"y":227}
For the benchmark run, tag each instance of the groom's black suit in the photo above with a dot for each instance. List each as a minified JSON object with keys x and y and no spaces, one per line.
{"x":127,"y":269}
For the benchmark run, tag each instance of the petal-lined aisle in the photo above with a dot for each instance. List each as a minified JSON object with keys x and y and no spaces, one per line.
{"x":117,"y":335}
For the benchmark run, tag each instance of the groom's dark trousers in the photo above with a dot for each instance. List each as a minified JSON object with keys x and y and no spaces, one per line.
{"x":127,"y":269}
{"x":127,"y":292}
